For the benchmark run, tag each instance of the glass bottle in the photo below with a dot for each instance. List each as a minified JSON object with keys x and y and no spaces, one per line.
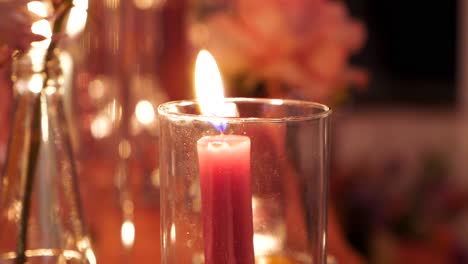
{"x":40,"y":212}
{"x":117,"y":90}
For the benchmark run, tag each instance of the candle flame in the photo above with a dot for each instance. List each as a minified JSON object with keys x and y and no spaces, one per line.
{"x":209,"y":90}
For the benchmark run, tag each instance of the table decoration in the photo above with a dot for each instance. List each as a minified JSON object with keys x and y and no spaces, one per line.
{"x":40,"y":212}
{"x":236,"y":186}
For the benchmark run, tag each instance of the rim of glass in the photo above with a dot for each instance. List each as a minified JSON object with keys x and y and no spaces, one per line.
{"x":166,"y":109}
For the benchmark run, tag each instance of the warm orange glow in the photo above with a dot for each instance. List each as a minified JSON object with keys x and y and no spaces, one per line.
{"x":76,"y":21}
{"x":209,"y":87}
{"x":42,"y":27}
{"x":77,"y":17}
{"x":144,"y":112}
{"x":38,"y":8}
{"x":127,"y":233}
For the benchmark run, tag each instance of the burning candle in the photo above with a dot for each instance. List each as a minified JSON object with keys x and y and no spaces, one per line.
{"x":224,"y":168}
{"x":224,"y":165}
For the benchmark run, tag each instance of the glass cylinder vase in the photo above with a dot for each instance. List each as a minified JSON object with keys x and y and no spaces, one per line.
{"x":245,"y":189}
{"x":40,"y":212}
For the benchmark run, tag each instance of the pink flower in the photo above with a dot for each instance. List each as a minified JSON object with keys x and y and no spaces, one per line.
{"x":15,"y":27}
{"x":304,"y":44}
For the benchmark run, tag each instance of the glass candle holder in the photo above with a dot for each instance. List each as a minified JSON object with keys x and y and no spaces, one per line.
{"x":244,"y":189}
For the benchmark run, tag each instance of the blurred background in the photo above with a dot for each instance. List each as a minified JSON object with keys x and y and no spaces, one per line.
{"x":400,"y":174}
{"x":395,"y":73}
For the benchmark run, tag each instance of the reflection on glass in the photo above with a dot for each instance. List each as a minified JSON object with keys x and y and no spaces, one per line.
{"x":127,"y":233}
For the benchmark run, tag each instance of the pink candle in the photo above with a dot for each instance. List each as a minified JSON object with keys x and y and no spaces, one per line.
{"x":224,"y":164}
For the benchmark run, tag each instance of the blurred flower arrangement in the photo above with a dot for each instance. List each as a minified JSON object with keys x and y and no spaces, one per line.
{"x":392,"y":217}
{"x":287,"y":48}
